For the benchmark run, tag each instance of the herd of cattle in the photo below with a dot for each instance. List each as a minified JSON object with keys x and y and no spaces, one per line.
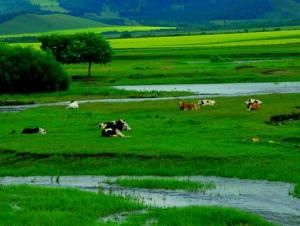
{"x":115,"y":128}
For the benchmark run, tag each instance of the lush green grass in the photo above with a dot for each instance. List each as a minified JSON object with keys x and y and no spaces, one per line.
{"x":88,"y":91}
{"x":269,"y":63}
{"x":237,"y":39}
{"x":24,"y":205}
{"x":198,"y":216}
{"x":191,"y":71}
{"x":164,"y":141}
{"x":100,"y":29}
{"x":169,"y":184}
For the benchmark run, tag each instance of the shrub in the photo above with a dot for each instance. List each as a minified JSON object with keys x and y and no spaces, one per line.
{"x":24,"y":70}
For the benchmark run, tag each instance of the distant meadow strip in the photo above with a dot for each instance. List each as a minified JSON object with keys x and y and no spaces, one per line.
{"x":216,"y":40}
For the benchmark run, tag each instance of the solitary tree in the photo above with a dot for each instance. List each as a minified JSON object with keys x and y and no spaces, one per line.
{"x":80,"y":48}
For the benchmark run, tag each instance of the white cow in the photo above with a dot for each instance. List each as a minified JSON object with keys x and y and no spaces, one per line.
{"x":73,"y":105}
{"x":207,"y":102}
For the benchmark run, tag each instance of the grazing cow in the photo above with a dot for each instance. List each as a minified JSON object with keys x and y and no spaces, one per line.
{"x":114,"y":128}
{"x":36,"y":130}
{"x":207,"y":102}
{"x":73,"y":105}
{"x":187,"y":106}
{"x":253,"y":104}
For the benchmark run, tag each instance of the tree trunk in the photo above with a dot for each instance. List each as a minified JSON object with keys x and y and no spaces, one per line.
{"x":89,"y":72}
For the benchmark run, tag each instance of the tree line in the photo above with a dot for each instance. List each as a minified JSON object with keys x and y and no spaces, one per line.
{"x":25,"y":70}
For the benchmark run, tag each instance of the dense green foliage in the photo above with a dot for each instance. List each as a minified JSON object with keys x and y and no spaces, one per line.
{"x":24,"y":70}
{"x":80,"y":48}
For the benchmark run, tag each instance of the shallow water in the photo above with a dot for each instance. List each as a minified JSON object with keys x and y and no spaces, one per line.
{"x":268,"y":199}
{"x":200,"y":91}
{"x":228,"y":89}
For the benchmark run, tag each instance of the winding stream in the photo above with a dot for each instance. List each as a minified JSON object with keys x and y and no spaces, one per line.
{"x":200,"y":91}
{"x":270,"y":200}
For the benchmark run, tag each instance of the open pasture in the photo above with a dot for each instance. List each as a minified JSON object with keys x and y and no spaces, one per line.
{"x":236,"y":39}
{"x":164,"y":140}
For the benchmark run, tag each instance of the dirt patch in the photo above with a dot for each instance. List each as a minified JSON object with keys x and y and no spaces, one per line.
{"x":273,"y":71}
{"x":241,"y":67}
{"x":278,"y":119}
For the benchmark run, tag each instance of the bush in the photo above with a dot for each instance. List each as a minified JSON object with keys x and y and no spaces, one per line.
{"x":24,"y":70}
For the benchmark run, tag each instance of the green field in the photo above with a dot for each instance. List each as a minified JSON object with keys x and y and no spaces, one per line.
{"x":95,"y":29}
{"x":225,"y":140}
{"x":237,"y":39}
{"x":49,"y":207}
{"x":212,"y":141}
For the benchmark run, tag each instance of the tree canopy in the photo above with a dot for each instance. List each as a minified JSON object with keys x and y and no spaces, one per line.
{"x":25,"y":70}
{"x":79,"y":48}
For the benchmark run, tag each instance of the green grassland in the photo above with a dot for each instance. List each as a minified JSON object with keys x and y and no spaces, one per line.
{"x":95,"y":29}
{"x":168,"y":184}
{"x":24,"y":205}
{"x":52,"y":206}
{"x":197,"y":216}
{"x":164,"y":141}
{"x":236,"y":39}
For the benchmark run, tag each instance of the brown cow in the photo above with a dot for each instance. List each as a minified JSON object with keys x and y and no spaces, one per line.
{"x":187,"y":106}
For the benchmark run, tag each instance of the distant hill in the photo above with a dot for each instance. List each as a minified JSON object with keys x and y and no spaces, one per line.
{"x":28,"y":23}
{"x":156,"y":12}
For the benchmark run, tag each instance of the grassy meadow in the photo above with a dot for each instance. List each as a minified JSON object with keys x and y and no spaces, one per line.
{"x":197,"y":216}
{"x":53,"y":206}
{"x":95,"y":27}
{"x":225,"y":140}
{"x":164,"y":140}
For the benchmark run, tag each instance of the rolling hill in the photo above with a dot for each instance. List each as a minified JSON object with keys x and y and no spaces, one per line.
{"x":28,"y":23}
{"x":146,"y":12}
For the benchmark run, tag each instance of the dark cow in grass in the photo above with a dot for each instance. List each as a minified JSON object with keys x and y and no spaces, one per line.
{"x":114,"y":128}
{"x":36,"y":130}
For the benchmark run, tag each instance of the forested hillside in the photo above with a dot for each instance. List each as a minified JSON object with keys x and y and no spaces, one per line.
{"x":157,"y":12}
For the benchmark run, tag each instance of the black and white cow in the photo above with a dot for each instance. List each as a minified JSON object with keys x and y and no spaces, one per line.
{"x":114,"y":128}
{"x":207,"y":102}
{"x":36,"y":130}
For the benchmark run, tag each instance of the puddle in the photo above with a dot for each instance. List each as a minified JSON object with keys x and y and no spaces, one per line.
{"x":270,"y":200}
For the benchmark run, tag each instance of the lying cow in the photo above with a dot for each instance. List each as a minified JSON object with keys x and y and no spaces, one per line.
{"x":36,"y":130}
{"x":73,"y":105}
{"x":187,"y":106}
{"x":253,"y":104}
{"x":207,"y":102}
{"x":114,"y":128}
